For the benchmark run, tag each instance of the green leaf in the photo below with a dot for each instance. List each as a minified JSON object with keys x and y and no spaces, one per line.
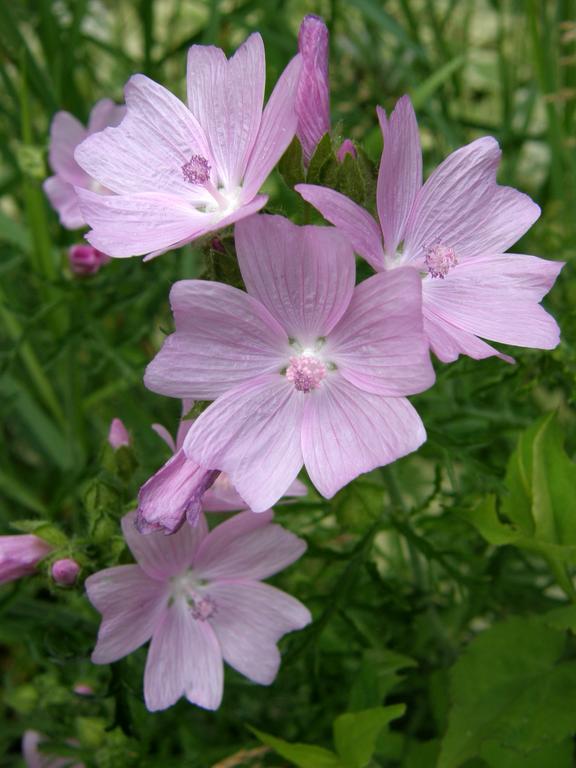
{"x":355,"y":733}
{"x":291,"y":165}
{"x":377,"y":676}
{"x":303,"y":755}
{"x":323,"y":167}
{"x":351,"y":181}
{"x":510,"y":688}
{"x":554,"y":755}
{"x":426,"y":89}
{"x":358,"y":505}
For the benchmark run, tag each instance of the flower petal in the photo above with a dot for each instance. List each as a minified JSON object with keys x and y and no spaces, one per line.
{"x":184,"y":659}
{"x":146,"y":152}
{"x":250,"y":619}
{"x":379,"y":345}
{"x":163,"y":434}
{"x":64,"y":200}
{"x":497,"y":297}
{"x":223,"y":337}
{"x":277,"y":129}
{"x":66,"y":132}
{"x":105,"y":114}
{"x":400,"y":174}
{"x":347,"y":431}
{"x":304,"y":276}
{"x":352,"y":220}
{"x":252,"y":433}
{"x":448,"y":342}
{"x":132,"y":605}
{"x":161,"y":556}
{"x":313,"y":103}
{"x":247,"y":546}
{"x":453,"y":202}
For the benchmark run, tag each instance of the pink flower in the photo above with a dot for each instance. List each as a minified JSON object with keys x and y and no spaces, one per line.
{"x":199,"y":596}
{"x":86,"y":260}
{"x":36,"y":759}
{"x":313,"y":102}
{"x":181,"y":489}
{"x":179,"y":172}
{"x":66,"y":132}
{"x":305,"y":367}
{"x":118,"y":435}
{"x":454,"y":230}
{"x":65,"y":571}
{"x":19,"y":555}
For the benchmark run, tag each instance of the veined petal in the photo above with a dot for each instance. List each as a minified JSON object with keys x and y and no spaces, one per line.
{"x":250,"y":619}
{"x":347,"y":431}
{"x":253,"y":433}
{"x":105,"y":113}
{"x":146,"y":152}
{"x":162,"y":556}
{"x":400,"y":174}
{"x":497,"y":297}
{"x":247,"y":546}
{"x":132,"y":605}
{"x":304,"y":276}
{"x":351,"y":219}
{"x":277,"y":129}
{"x":313,"y":103}
{"x":223,"y":338}
{"x":448,"y":342}
{"x":184,"y":659}
{"x":64,"y":200}
{"x":66,"y":132}
{"x":379,"y":345}
{"x":453,"y":201}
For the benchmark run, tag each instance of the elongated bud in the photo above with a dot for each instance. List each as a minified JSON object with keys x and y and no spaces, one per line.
{"x":65,"y":572}
{"x":118,"y":434}
{"x":19,"y":555}
{"x":346,"y":148}
{"x":86,"y":260}
{"x":313,"y":100}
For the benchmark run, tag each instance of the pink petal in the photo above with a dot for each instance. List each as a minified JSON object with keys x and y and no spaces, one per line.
{"x":146,"y":152}
{"x":277,"y":129}
{"x":223,"y":338}
{"x":347,"y":431}
{"x":132,"y":605}
{"x":227,"y":98}
{"x":134,"y":225}
{"x":252,"y":433}
{"x":66,"y":132}
{"x":497,"y":297}
{"x":184,"y":659}
{"x":304,"y":276}
{"x":250,"y":619}
{"x":379,"y":345}
{"x":453,"y":202}
{"x":352,"y":220}
{"x":163,"y":434}
{"x":247,"y":546}
{"x":448,"y":342}
{"x":105,"y":113}
{"x":161,"y":556}
{"x":222,"y":496}
{"x":400,"y":175}
{"x":64,"y":200}
{"x":313,"y":103}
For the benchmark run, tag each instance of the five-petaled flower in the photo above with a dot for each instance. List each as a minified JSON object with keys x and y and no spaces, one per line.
{"x":179,"y":172}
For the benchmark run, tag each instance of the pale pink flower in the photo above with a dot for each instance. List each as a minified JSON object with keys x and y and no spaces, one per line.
{"x":65,"y":571}
{"x":454,"y":230}
{"x":118,"y":435}
{"x":313,"y":102}
{"x":19,"y":555}
{"x":306,"y":368}
{"x":181,"y":489}
{"x":66,"y":132}
{"x":180,"y":171}
{"x":86,"y":260}
{"x":34,"y":758}
{"x":199,"y":596}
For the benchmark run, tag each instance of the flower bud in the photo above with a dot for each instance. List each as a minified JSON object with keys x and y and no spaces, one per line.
{"x":86,"y":260}
{"x":313,"y":99}
{"x":346,"y":148}
{"x":19,"y":555}
{"x":118,"y":434}
{"x":65,"y":571}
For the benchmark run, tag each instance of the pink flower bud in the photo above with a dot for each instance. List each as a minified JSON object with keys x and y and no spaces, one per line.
{"x":65,"y":571}
{"x":86,"y":260}
{"x":81,"y":689}
{"x":118,"y":434}
{"x":19,"y":555}
{"x":346,"y":148}
{"x":313,"y":100}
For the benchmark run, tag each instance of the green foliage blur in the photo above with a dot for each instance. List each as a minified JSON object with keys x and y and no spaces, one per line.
{"x":442,"y":587}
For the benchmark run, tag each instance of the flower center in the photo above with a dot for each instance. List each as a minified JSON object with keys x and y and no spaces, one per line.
{"x":196,"y":171}
{"x":203,"y":608}
{"x":440,"y":259}
{"x":186,"y":586}
{"x":305,"y":372}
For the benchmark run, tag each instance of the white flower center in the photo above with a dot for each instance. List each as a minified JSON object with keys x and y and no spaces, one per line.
{"x":187,"y":586}
{"x":307,"y":369}
{"x":196,"y":171}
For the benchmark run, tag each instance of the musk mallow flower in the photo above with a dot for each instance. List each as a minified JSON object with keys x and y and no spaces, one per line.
{"x":454,"y":230}
{"x":179,"y":172}
{"x":181,"y":488}
{"x":199,"y":596}
{"x":20,"y":554}
{"x":313,"y":102}
{"x":304,"y":368}
{"x":66,"y":133}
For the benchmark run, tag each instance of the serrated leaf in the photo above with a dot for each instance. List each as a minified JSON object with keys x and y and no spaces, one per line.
{"x":302,"y":755}
{"x":291,"y":165}
{"x":355,"y":733}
